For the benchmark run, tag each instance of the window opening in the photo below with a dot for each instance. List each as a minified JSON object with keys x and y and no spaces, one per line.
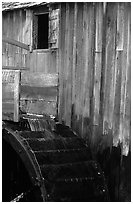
{"x":46,"y":30}
{"x":41,"y":31}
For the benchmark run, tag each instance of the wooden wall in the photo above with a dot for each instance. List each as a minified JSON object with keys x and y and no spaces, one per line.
{"x":10,"y":95}
{"x":94,"y":72}
{"x":93,"y":62}
{"x":43,"y":61}
{"x":18,"y":25}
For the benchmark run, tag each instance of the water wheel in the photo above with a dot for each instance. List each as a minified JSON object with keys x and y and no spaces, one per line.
{"x":47,"y":161}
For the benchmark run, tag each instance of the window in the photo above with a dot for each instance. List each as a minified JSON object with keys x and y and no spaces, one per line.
{"x":40,"y":31}
{"x":43,"y":31}
{"x":46,"y":30}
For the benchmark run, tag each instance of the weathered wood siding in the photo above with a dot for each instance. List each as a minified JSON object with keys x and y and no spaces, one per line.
{"x":18,"y":25}
{"x":38,"y":93}
{"x":28,"y":93}
{"x":43,"y":61}
{"x":94,"y":72}
{"x":10,"y":95}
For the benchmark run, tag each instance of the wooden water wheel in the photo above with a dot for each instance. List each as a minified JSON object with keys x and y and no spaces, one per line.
{"x":57,"y":164}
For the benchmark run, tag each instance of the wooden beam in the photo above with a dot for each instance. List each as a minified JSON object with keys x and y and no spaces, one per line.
{"x":15,"y":68}
{"x":16,"y":43}
{"x":39,"y":79}
{"x":16,"y":96}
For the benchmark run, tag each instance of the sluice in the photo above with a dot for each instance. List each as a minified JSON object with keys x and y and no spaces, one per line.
{"x":58,"y":162}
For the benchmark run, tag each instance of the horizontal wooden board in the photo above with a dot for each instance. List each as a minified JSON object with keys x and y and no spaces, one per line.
{"x":8,"y":107}
{"x":48,"y":93}
{"x":15,"y":68}
{"x":38,"y":93}
{"x":39,"y":79}
{"x":39,"y":107}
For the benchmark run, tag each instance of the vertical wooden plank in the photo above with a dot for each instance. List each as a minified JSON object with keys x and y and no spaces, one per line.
{"x":73,"y":88}
{"x":16,"y":96}
{"x":74,"y":53}
{"x":109,"y":74}
{"x":16,"y":35}
{"x":87,"y":77}
{"x":85,"y":80}
{"x":27,"y":30}
{"x":125,"y":105}
{"x":82,"y":70}
{"x":120,"y":27}
{"x":8,"y":34}
{"x":54,"y":28}
{"x":85,"y":60}
{"x":33,"y":61}
{"x":10,"y":53}
{"x":21,"y":37}
{"x":5,"y":32}
{"x":78,"y":67}
{"x":62,"y":60}
{"x":66,"y":62}
{"x":23,"y":16}
{"x":54,"y":65}
{"x":116,"y":112}
{"x":79,"y":33}
{"x":27,"y":27}
{"x":14,"y":30}
{"x":69,"y":61}
{"x":98,"y":62}
{"x":118,"y":64}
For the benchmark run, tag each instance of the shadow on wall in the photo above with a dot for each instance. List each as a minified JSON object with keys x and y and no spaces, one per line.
{"x":117,"y":168}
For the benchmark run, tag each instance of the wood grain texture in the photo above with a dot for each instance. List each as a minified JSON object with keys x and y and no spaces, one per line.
{"x":109,"y":74}
{"x":10,"y":94}
{"x":14,"y":31}
{"x":48,"y":93}
{"x":100,"y":86}
{"x":43,"y":61}
{"x":62,"y":62}
{"x":38,"y":93}
{"x":98,"y":61}
{"x":125,"y":105}
{"x":39,"y":107}
{"x":14,"y":42}
{"x":15,"y":68}
{"x":39,"y":79}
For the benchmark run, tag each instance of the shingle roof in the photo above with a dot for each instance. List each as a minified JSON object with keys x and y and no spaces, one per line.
{"x":16,"y":5}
